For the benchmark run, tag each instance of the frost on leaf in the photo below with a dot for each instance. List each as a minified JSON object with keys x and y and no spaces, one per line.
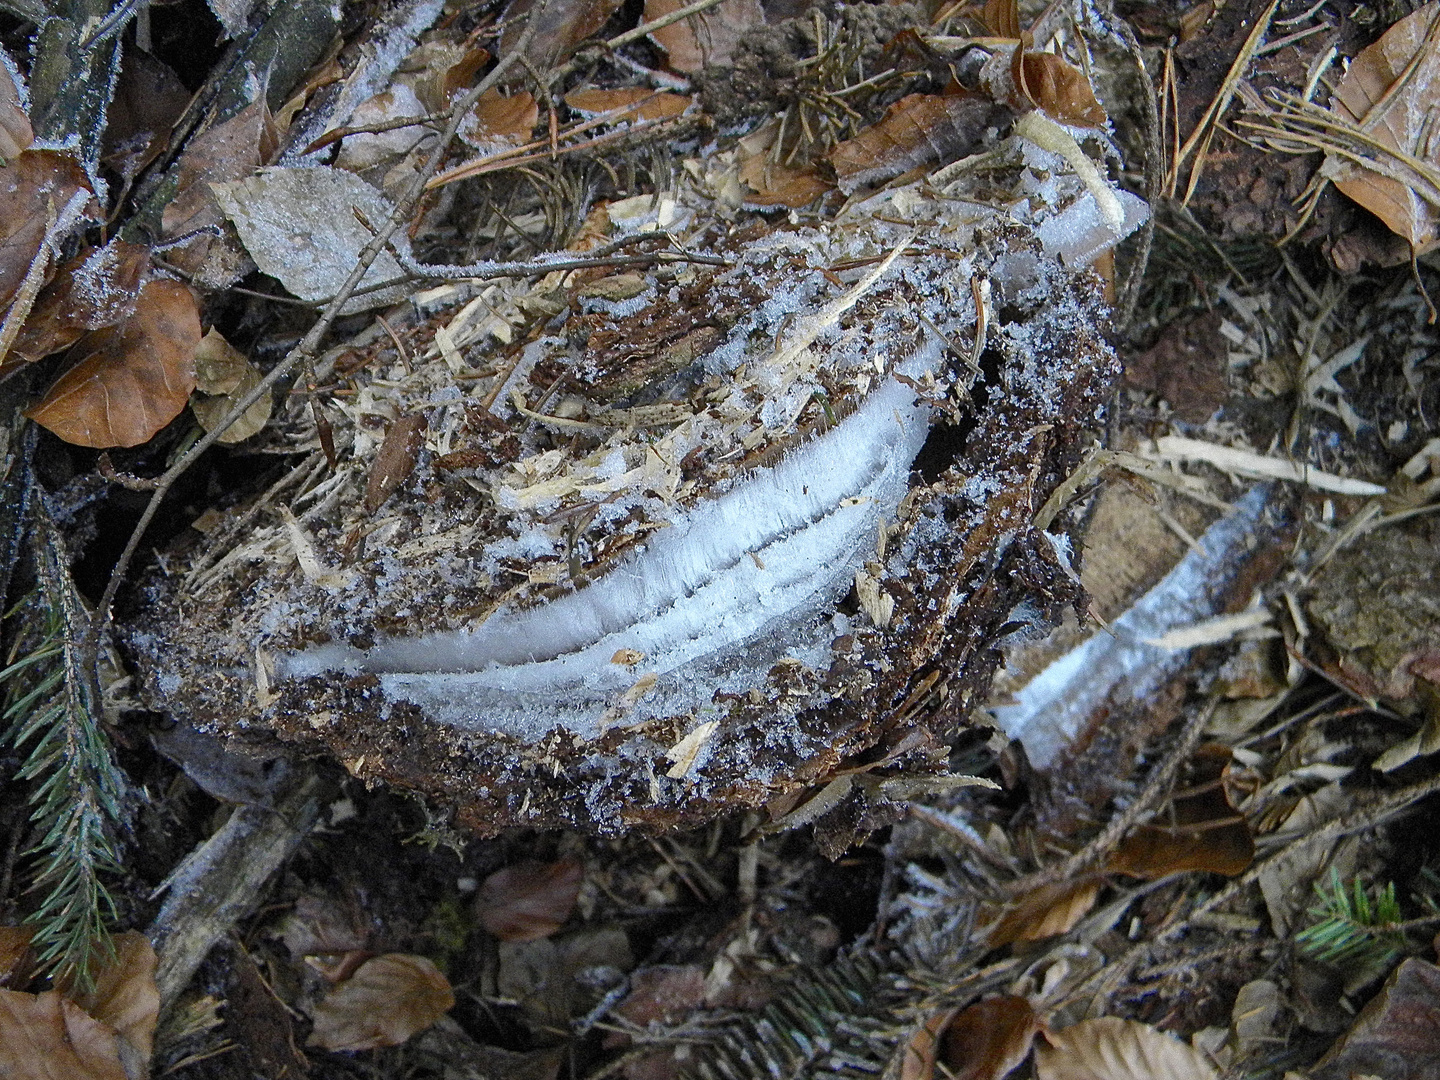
{"x":387,"y":1000}
{"x":34,"y":186}
{"x":1113,"y":1049}
{"x":710,"y":37}
{"x":301,"y":227}
{"x":499,"y":123}
{"x":130,"y":379}
{"x":915,"y":130}
{"x":99,"y":287}
{"x":44,"y":1036}
{"x":228,"y":151}
{"x":531,"y":900}
{"x":1389,"y":92}
{"x":15,"y":131}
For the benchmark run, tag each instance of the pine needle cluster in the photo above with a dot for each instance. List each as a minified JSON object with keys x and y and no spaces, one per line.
{"x":1357,"y":926}
{"x":76,"y":798}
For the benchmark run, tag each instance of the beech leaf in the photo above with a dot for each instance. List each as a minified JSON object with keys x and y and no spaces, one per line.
{"x":989,"y":1039}
{"x":224,"y":375}
{"x":1049,"y":910}
{"x":387,"y":1000}
{"x":1405,"y":125}
{"x":45,"y":1036}
{"x":99,"y":287}
{"x":710,"y":37}
{"x":530,"y":900}
{"x":17,"y":958}
{"x":499,"y":122}
{"x":559,"y":26}
{"x":30,"y":186}
{"x":917,"y":129}
{"x":130,"y":379}
{"x":1113,"y":1049}
{"x":1199,"y":831}
{"x":125,"y":997}
{"x":15,"y":131}
{"x":395,"y":459}
{"x":648,"y":104}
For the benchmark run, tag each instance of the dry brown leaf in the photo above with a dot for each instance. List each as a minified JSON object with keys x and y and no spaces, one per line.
{"x":224,"y":375}
{"x":649,"y":105}
{"x":1056,"y":87}
{"x":777,"y":185}
{"x":1049,"y":910}
{"x":149,"y":98}
{"x":497,"y":119}
{"x":389,"y":999}
{"x":662,"y":994}
{"x":1395,"y":1035}
{"x":131,"y":379}
{"x":530,"y":900}
{"x":917,"y":129}
{"x":989,"y":1039}
{"x":1406,"y":124}
{"x":46,"y":1037}
{"x":1113,"y":1049}
{"x":1001,"y":18}
{"x":561,"y":26}
{"x":708,"y":38}
{"x":15,"y":131}
{"x":918,"y":1060}
{"x":395,"y":459}
{"x":17,"y":958}
{"x":126,"y":998}
{"x":99,"y":287}
{"x":30,"y":186}
{"x":229,"y":151}
{"x":1199,"y":831}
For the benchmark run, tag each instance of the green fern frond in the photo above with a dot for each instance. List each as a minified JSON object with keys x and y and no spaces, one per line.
{"x":1355,"y":925}
{"x":77,"y":790}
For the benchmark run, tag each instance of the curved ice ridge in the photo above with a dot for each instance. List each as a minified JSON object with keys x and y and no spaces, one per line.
{"x":779,"y":545}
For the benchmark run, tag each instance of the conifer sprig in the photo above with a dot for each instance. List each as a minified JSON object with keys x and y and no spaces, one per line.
{"x":77,"y":795}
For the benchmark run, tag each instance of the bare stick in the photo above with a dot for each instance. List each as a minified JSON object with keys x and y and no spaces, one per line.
{"x":302,"y":353}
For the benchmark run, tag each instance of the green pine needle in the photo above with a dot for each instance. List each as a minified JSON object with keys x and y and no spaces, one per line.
{"x":77,"y":790}
{"x":1355,"y":926}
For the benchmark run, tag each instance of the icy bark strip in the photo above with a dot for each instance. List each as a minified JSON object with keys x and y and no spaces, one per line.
{"x":1056,"y":704}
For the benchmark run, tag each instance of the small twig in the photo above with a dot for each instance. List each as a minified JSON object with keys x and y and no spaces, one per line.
{"x":303,"y":353}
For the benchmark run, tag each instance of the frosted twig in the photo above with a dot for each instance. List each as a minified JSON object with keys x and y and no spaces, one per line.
{"x":302,"y":353}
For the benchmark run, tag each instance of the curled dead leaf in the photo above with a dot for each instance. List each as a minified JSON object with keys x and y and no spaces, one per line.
{"x":989,"y":1039}
{"x":710,"y":37}
{"x":917,"y":1060}
{"x":224,"y":375}
{"x":647,"y":104}
{"x":917,"y":129}
{"x":387,"y":1000}
{"x":1049,"y":910}
{"x":560,"y":25}
{"x":1199,"y":831}
{"x":1055,"y":86}
{"x":1400,"y":118}
{"x":530,"y":900}
{"x":130,"y":379}
{"x":1113,"y":1049}
{"x":45,"y":1036}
